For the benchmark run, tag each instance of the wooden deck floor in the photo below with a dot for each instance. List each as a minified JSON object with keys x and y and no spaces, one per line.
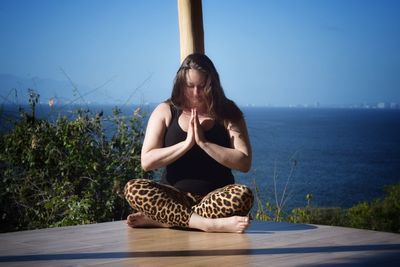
{"x":264,"y":244}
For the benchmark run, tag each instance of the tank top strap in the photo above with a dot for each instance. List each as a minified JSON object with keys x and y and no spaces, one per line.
{"x":175,"y":112}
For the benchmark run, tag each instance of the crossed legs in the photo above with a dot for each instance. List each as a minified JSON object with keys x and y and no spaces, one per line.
{"x":157,"y":205}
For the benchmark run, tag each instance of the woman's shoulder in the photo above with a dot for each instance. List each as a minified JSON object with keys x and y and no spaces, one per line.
{"x":163,"y":107}
{"x":229,"y":112}
{"x":162,"y":111}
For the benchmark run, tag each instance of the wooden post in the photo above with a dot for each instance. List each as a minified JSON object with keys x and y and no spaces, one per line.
{"x":191,"y":33}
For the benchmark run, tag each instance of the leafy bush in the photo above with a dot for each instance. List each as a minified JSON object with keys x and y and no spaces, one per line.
{"x":380,"y":214}
{"x":67,"y":172}
{"x":327,"y":216}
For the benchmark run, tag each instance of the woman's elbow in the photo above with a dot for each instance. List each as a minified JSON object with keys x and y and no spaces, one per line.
{"x":245,"y":165}
{"x":245,"y":168}
{"x":146,"y":164}
{"x":145,"y":167}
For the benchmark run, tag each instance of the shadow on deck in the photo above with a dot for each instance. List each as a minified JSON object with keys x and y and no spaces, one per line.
{"x":264,"y":244}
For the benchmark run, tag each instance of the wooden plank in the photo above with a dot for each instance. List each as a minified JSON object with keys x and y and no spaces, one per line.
{"x":191,"y":33}
{"x":272,"y":244}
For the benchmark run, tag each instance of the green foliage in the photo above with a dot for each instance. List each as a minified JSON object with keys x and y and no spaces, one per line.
{"x":267,"y":212}
{"x":327,"y":216}
{"x":67,"y":172}
{"x":381,"y":214}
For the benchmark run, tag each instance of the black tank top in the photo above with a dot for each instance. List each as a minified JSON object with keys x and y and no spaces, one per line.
{"x":196,"y":172}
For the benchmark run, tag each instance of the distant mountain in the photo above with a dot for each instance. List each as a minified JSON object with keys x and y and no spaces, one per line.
{"x":14,"y":89}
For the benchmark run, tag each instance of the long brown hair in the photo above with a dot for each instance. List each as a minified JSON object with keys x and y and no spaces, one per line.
{"x":218,"y":105}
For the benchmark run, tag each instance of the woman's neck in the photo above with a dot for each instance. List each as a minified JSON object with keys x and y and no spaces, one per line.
{"x":201,"y":112}
{"x":200,"y":109}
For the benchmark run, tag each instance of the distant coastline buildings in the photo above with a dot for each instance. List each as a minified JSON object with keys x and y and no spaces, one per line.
{"x":377,"y":105}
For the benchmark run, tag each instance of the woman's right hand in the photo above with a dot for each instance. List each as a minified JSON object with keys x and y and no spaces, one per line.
{"x":190,"y":138}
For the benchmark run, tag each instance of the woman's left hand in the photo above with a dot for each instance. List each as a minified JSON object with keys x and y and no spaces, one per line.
{"x":198,"y":130}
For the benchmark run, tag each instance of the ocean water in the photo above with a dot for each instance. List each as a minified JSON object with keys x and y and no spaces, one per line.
{"x":340,"y":156}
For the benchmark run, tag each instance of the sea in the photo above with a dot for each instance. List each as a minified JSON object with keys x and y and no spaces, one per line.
{"x":338,"y":156}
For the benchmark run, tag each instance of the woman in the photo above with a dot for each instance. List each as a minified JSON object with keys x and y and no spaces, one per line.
{"x":198,"y":135}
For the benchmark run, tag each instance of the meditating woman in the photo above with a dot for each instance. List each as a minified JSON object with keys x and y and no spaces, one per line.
{"x":199,"y":136}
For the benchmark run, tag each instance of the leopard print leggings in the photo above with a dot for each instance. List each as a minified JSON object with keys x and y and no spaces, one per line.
{"x":166,"y":204}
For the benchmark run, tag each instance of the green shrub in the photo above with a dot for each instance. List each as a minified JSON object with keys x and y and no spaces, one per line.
{"x":327,"y":216}
{"x":67,"y":172}
{"x":381,"y":215}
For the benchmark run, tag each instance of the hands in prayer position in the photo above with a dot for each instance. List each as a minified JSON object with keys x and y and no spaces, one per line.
{"x":195,"y":133}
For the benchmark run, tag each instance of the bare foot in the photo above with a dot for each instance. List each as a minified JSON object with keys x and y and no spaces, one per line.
{"x":138,"y":219}
{"x":234,"y":224}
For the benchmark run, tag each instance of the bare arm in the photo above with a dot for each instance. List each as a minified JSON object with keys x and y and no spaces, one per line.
{"x":154,"y":155}
{"x":238,"y":156}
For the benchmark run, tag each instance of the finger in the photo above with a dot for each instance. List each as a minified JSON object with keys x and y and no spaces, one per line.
{"x":191,"y":121}
{"x":196,"y":117}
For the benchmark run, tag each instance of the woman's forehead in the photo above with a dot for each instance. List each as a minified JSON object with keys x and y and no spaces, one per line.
{"x":195,"y":76}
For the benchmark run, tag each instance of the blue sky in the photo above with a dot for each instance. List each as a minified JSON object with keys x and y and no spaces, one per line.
{"x":267,"y":52}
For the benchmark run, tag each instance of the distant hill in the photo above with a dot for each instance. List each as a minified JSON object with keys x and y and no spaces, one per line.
{"x":14,"y":89}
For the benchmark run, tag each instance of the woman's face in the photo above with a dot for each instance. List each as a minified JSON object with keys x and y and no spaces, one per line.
{"x":194,"y":89}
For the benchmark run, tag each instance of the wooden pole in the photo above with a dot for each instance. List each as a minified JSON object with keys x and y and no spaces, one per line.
{"x":191,"y":33}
